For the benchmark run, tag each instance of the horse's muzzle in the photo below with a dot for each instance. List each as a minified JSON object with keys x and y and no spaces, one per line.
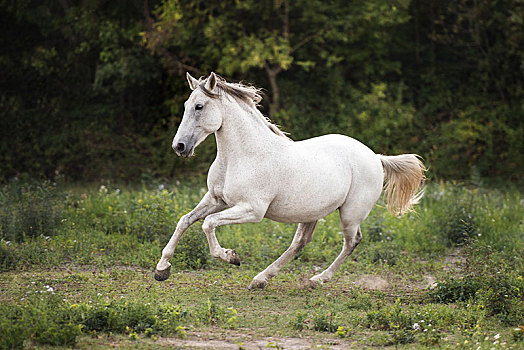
{"x":183,"y":149}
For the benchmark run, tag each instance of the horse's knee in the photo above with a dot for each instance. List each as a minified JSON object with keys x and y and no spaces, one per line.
{"x":209,"y":225}
{"x":184,"y":221}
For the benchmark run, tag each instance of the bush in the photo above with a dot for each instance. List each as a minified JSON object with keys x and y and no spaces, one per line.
{"x":503,"y":296}
{"x":396,"y":319}
{"x":456,"y":221}
{"x":45,"y":318}
{"x":12,"y":332}
{"x":8,"y":257}
{"x":325,"y":322}
{"x":492,"y":282}
{"x":29,"y":210}
{"x":452,"y":290}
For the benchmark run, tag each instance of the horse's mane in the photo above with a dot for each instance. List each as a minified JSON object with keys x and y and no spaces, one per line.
{"x":246,"y":93}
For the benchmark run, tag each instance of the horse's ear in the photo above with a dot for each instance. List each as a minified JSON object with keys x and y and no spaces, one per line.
{"x":193,"y":83}
{"x":211,"y":82}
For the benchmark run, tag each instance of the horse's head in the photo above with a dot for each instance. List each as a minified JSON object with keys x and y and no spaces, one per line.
{"x":202,"y":115}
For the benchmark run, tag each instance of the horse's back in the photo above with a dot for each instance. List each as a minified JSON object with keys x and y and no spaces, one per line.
{"x":363,"y":166}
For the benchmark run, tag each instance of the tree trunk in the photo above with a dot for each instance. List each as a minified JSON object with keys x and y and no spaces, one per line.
{"x":272,"y":73}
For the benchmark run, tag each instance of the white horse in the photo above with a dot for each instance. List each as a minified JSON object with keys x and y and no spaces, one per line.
{"x":260,"y":173}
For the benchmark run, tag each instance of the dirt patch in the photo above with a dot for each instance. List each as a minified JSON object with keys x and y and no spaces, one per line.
{"x":431,"y":282}
{"x":372,"y":282}
{"x":264,"y":343}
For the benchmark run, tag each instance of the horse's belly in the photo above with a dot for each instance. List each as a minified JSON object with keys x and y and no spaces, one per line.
{"x":295,"y":215}
{"x":309,"y":200}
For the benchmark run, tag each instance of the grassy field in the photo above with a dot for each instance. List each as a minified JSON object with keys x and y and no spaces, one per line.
{"x":77,"y":271}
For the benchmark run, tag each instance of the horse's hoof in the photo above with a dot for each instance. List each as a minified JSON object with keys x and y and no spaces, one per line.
{"x":233,"y":257}
{"x":315,"y":281}
{"x":257,"y":284}
{"x":163,"y":275}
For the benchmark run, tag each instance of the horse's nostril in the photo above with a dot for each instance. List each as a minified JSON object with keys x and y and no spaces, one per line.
{"x":180,"y":147}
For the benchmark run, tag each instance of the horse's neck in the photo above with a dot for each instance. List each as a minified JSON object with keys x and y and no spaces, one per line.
{"x":243,"y":132}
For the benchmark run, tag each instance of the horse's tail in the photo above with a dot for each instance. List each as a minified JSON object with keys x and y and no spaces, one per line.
{"x":403,"y":176}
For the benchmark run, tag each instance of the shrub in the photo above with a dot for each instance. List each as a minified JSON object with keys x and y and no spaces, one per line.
{"x":299,"y":321}
{"x":12,"y":332}
{"x":503,"y":296}
{"x":8,"y":257}
{"x":325,"y":322}
{"x":455,"y":222}
{"x":29,"y":210}
{"x":492,"y":282}
{"x":453,"y":290}
{"x":393,"y":318}
{"x":45,"y":318}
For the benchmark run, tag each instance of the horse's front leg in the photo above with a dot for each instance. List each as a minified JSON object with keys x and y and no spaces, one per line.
{"x":207,"y":205}
{"x":239,"y":214}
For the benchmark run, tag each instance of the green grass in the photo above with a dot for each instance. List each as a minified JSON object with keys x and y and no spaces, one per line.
{"x":77,"y":270}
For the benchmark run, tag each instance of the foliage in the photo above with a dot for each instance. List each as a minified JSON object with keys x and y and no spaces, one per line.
{"x":439,"y":78}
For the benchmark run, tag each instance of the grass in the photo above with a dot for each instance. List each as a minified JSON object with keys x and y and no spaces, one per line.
{"x":77,"y":271}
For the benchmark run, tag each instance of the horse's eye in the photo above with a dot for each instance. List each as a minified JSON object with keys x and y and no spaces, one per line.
{"x":198,"y":106}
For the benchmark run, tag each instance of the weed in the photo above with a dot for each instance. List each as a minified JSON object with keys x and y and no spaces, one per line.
{"x":386,"y":256}
{"x":299,"y":321}
{"x":342,"y":332}
{"x":232,"y":321}
{"x":518,"y":334}
{"x":325,"y":322}
{"x":373,"y":228}
{"x":393,"y":318}
{"x":44,"y":318}
{"x":168,"y":320}
{"x":12,"y":333}
{"x":358,"y":300}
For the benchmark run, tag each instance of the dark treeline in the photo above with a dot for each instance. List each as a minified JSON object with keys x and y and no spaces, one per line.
{"x":95,"y":88}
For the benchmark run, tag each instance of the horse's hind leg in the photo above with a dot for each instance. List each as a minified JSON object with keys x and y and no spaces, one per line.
{"x":350,"y":219}
{"x":302,"y":237}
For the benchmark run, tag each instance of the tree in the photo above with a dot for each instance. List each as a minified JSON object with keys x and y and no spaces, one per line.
{"x":275,"y":36}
